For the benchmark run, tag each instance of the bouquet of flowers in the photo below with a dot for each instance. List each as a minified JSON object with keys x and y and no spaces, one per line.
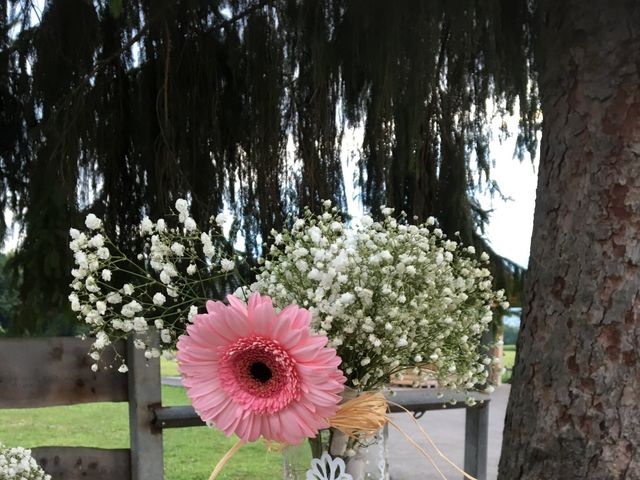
{"x":18,"y":464}
{"x":306,"y":350}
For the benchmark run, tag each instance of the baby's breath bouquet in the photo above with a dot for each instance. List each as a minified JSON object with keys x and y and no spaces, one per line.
{"x":18,"y":464}
{"x":163,"y":285}
{"x":389,"y":295}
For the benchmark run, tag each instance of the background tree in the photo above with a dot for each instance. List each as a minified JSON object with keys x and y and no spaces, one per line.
{"x":573,"y":411}
{"x":8,"y":296}
{"x":120,"y":107}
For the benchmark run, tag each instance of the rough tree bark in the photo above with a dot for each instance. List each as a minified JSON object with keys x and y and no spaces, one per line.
{"x":574,"y":410}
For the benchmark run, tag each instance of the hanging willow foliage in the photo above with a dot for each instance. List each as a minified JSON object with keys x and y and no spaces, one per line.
{"x":121,"y":106}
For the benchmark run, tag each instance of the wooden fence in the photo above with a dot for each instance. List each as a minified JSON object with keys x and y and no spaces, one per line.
{"x":56,"y":371}
{"x":42,"y":372}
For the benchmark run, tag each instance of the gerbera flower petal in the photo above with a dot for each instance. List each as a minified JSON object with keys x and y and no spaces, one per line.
{"x":308,"y":349}
{"x":236,"y":304}
{"x":263,"y":318}
{"x":300,"y":318}
{"x":229,"y":322}
{"x":257,"y":373}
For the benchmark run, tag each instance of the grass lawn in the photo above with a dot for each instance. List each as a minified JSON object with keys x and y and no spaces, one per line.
{"x":508,"y":359}
{"x":168,"y":368}
{"x":189,"y":453}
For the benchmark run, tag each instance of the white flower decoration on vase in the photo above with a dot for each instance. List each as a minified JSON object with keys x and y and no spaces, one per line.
{"x":327,"y":468}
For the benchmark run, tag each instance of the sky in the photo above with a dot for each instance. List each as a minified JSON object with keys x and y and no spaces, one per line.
{"x":511,"y":220}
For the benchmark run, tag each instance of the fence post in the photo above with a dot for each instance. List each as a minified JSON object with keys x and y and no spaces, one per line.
{"x":145,"y":394}
{"x":476,"y":438}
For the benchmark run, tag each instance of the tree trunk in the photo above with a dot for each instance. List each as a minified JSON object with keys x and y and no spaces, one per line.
{"x":574,"y":410}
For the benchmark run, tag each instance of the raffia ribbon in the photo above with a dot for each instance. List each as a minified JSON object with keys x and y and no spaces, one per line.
{"x":363,"y":416}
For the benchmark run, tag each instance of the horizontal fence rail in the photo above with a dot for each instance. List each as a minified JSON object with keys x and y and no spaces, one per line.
{"x":43,"y":372}
{"x":81,"y":463}
{"x":416,"y":401}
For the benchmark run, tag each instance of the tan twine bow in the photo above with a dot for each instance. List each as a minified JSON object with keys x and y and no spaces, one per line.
{"x":362,"y":417}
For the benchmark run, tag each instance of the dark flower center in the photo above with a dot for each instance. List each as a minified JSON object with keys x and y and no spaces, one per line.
{"x":260,"y":372}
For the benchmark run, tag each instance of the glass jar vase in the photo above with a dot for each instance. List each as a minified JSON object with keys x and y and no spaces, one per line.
{"x":365,"y":459}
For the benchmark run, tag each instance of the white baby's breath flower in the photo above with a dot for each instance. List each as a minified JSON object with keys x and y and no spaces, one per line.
{"x":123,"y":368}
{"x":221,"y":219}
{"x":106,"y":275}
{"x":386,"y":211}
{"x":159,"y":299}
{"x":172,"y":291}
{"x":146,"y":226}
{"x":190,"y":224}
{"x":102,"y":340}
{"x":241,"y":293}
{"x":208,"y":250}
{"x":165,"y":277}
{"x":315,"y":234}
{"x":177,"y":248}
{"x":101,"y":307}
{"x":191,"y":269}
{"x":182,"y":206}
{"x":103,"y":253}
{"x":114,"y":297}
{"x":152,"y":353}
{"x":165,"y":336}
{"x":140,"y":324}
{"x":97,"y":241}
{"x":91,"y":285}
{"x":92,"y":222}
{"x":130,"y":309}
{"x":227,"y":265}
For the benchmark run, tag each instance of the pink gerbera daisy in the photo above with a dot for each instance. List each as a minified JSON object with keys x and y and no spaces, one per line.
{"x":254,"y":372}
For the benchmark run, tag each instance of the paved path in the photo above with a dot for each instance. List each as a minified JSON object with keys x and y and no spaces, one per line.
{"x":446,"y":428}
{"x":172,"y":381}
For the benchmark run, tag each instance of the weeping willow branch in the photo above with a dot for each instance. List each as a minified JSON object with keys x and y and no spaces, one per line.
{"x":245,"y":105}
